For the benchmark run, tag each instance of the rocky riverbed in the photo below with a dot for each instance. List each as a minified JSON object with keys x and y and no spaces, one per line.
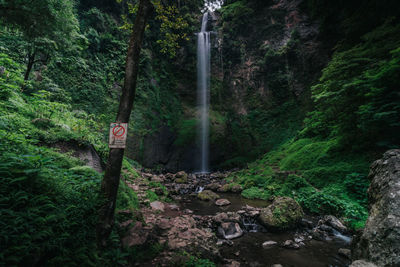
{"x":209,"y":218}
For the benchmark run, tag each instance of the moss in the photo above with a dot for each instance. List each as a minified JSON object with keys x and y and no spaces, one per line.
{"x":207,"y":195}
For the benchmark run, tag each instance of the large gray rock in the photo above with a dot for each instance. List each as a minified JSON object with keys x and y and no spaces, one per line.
{"x":362,"y":263}
{"x":283,"y":213}
{"x":380,"y":240}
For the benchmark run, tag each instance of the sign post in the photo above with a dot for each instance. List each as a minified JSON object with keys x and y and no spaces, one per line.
{"x":118,"y":133}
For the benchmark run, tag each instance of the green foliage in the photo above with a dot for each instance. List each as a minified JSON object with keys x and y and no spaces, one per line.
{"x":49,"y":201}
{"x":356,"y":97}
{"x":256,"y":193}
{"x":326,"y":182}
{"x":237,"y":12}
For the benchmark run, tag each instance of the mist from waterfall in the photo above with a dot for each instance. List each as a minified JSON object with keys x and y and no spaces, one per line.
{"x":203,"y":92}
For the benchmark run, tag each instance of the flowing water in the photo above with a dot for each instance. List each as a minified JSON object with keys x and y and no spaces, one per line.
{"x":203,"y":92}
{"x":248,"y":248}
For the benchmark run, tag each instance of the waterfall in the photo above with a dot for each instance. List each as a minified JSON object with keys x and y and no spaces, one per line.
{"x":203,"y":92}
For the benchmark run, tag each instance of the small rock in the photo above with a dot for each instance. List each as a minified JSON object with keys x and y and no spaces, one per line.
{"x":236,"y":188}
{"x":269,"y":244}
{"x":222,"y":202}
{"x":237,"y":253}
{"x":222,"y":242}
{"x":157,"y":205}
{"x":306,"y":223}
{"x":345,"y":252}
{"x":277,"y":265}
{"x":173,"y":207}
{"x":188,"y":211}
{"x":232,"y":263}
{"x":291,"y":244}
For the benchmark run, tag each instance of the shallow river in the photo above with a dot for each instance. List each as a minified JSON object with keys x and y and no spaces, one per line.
{"x":249,"y":251}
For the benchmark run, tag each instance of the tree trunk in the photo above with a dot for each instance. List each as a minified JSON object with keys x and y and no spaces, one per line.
{"x":110,"y":183}
{"x":31,"y":61}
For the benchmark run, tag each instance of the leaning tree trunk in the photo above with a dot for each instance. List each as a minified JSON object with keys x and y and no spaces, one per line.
{"x":110,"y":183}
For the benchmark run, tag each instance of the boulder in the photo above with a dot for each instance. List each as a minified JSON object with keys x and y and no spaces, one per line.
{"x":207,"y":195}
{"x":269,"y":244}
{"x":334,"y":223}
{"x":213,"y":186}
{"x":181,"y":177}
{"x":222,"y":202}
{"x":283,"y":213}
{"x":379,"y":242}
{"x":230,"y":230}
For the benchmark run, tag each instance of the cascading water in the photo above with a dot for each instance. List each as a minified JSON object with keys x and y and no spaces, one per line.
{"x":203,"y":92}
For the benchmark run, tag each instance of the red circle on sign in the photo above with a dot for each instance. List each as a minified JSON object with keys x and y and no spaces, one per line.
{"x":118,"y":131}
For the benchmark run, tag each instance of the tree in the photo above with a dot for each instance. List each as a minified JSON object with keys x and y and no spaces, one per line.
{"x":110,"y":183}
{"x":48,"y":25}
{"x":171,"y":28}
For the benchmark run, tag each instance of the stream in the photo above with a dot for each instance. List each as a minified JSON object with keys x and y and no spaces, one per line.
{"x":248,"y":249}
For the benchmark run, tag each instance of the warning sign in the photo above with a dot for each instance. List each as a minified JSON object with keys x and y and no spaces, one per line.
{"x":118,"y":133}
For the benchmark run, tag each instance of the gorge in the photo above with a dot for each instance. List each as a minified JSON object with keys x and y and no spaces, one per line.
{"x":263,"y":133}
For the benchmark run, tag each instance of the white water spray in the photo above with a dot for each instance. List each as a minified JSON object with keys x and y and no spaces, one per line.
{"x":203,"y":92}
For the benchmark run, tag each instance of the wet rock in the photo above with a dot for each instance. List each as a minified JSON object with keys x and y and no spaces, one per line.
{"x":207,"y":195}
{"x":222,"y":202}
{"x":380,"y":240}
{"x":181,"y":177}
{"x":362,"y":263}
{"x":334,"y":223}
{"x":157,"y":205}
{"x":213,"y":186}
{"x":306,"y":223}
{"x":226,"y":217}
{"x":269,"y":244}
{"x":318,"y":235}
{"x":290,"y":244}
{"x":345,"y":253}
{"x":283,"y":213}
{"x":277,"y":265}
{"x":230,"y":230}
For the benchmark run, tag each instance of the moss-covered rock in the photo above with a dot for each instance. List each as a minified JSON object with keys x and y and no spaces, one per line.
{"x":207,"y":195}
{"x":181,"y":177}
{"x":283,"y":213}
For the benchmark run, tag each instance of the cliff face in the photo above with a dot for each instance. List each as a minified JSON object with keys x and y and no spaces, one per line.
{"x":265,"y":56}
{"x":269,"y":56}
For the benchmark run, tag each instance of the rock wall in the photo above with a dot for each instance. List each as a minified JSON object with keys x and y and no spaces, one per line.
{"x":380,"y":240}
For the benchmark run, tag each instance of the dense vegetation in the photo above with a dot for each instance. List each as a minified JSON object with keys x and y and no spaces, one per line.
{"x":60,"y":80}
